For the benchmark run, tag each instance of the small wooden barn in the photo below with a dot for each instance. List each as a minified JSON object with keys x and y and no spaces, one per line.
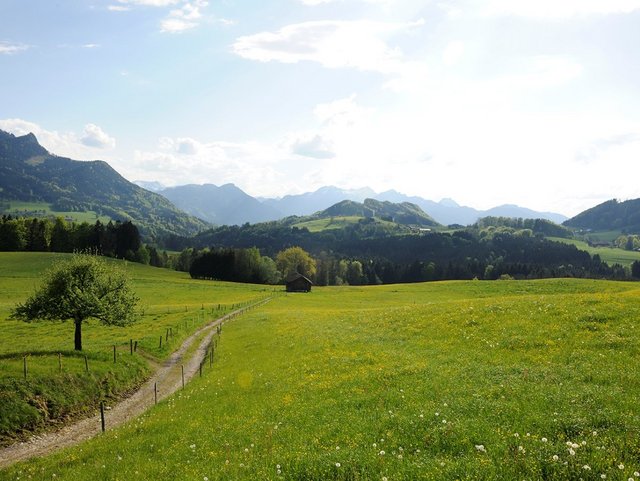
{"x":298,"y":283}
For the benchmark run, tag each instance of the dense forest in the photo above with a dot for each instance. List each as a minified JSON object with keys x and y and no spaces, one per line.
{"x":358,"y":254}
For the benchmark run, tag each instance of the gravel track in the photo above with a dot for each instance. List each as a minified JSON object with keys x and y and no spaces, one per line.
{"x":168,"y":378}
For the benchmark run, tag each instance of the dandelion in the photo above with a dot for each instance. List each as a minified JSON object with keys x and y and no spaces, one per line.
{"x":555,"y":457}
{"x":521,"y":449}
{"x":205,"y":479}
{"x":586,"y":467}
{"x":603,"y":476}
{"x":544,"y":440}
{"x":384,"y":478}
{"x":636,"y":474}
{"x":620,"y":466}
{"x":572,"y":452}
{"x":246,"y":450}
{"x":192,"y":446}
{"x":481,"y":448}
{"x":375,"y":445}
{"x":338,"y":465}
{"x":584,"y":443}
{"x":337,"y":448}
{"x":381,"y":453}
{"x":399,"y":456}
{"x":516,"y":435}
{"x":630,"y":479}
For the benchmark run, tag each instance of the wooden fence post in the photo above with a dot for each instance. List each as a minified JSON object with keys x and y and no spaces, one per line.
{"x":155,"y":392}
{"x":182,"y":376}
{"x":60,"y":362}
{"x":131,"y":346}
{"x":24,"y":359}
{"x":160,"y":342}
{"x":135,"y":346}
{"x":102,"y":415}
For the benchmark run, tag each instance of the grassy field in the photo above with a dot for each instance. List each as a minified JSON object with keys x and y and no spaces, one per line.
{"x":57,"y":384}
{"x":611,"y":255}
{"x":319,"y":225}
{"x":42,"y":209}
{"x":473,"y":380}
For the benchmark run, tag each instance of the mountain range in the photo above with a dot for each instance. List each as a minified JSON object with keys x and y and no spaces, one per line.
{"x":29,"y":173}
{"x":229,"y":205}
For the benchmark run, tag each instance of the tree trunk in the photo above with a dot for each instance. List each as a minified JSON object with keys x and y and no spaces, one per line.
{"x":78,"y":336}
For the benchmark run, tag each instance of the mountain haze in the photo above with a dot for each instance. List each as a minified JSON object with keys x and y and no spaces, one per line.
{"x":224,"y":205}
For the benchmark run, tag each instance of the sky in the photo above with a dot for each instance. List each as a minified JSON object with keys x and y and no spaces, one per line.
{"x":487,"y":102}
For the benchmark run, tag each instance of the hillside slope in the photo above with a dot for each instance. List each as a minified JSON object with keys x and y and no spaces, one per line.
{"x":29,"y":173}
{"x":610,"y":215}
{"x":404,"y":213}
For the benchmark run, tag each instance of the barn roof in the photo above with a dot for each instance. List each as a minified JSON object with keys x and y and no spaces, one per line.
{"x":296,"y":276}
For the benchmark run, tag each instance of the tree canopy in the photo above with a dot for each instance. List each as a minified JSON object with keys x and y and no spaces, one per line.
{"x":295,"y":260}
{"x":83,"y":287}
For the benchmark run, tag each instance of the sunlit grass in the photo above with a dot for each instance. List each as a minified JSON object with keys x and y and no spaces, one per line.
{"x":172,"y":307}
{"x":451,"y":380}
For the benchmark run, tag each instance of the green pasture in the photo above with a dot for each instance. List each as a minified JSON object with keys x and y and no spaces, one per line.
{"x":43,"y":209}
{"x":172,"y":306}
{"x":611,"y":255}
{"x":505,"y":380}
{"x":338,"y":222}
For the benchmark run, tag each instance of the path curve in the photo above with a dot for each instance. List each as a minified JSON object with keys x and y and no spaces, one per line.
{"x":168,"y":378}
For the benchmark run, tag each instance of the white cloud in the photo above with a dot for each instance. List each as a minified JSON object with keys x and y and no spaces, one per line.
{"x":184,"y":18}
{"x":94,"y":136}
{"x":67,"y":144}
{"x":151,"y":3}
{"x":118,"y":8}
{"x":359,"y":44}
{"x":313,"y":146}
{"x":8,"y":48}
{"x":554,"y":9}
{"x":452,"y":53}
{"x":181,"y":145}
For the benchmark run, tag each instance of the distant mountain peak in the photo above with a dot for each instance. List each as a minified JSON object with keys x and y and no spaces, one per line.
{"x":448,"y":202}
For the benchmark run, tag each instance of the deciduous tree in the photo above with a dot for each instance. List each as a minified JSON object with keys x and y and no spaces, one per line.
{"x":81,"y":288}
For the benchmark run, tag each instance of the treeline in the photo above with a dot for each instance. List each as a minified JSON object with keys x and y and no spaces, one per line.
{"x":114,"y":239}
{"x":237,"y":265}
{"x":526,"y":227}
{"x":347,"y":257}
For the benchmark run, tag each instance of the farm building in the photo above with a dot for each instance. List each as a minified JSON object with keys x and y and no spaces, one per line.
{"x":299,"y":283}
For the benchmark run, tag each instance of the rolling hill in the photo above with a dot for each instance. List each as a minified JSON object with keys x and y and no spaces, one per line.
{"x":29,"y":173}
{"x":608,"y":216}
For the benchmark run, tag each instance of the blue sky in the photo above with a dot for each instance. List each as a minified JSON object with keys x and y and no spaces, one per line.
{"x":483,"y":101}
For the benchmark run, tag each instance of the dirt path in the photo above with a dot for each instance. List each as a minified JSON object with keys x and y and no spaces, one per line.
{"x":168,"y":378}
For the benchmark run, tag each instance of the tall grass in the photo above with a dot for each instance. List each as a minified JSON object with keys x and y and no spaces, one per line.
{"x":172,"y":306}
{"x":451,"y":380}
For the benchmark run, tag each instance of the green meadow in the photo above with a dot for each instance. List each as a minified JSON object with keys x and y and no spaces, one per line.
{"x":339,"y":222}
{"x":43,"y":209}
{"x":58,"y":384}
{"x":478,"y":380}
{"x":611,"y":255}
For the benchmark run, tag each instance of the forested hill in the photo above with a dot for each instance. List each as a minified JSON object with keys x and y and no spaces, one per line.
{"x":29,"y":173}
{"x":404,"y":213}
{"x":610,"y":215}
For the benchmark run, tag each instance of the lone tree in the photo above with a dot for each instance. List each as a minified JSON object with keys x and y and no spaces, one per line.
{"x":81,"y":288}
{"x":295,"y":260}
